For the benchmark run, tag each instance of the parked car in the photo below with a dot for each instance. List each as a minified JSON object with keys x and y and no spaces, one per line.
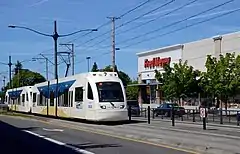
{"x":135,"y":108}
{"x":166,"y":109}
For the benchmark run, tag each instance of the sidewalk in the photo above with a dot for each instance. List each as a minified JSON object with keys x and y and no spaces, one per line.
{"x":177,"y":121}
{"x":214,"y":140}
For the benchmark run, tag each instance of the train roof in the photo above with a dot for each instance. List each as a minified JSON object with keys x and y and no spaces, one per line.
{"x":20,"y":88}
{"x":82,"y":75}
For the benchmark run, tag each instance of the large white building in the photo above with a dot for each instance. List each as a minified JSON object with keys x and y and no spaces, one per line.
{"x":194,"y":52}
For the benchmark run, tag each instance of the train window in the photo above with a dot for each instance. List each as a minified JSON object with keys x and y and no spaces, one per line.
{"x":70,"y":95}
{"x":51,"y":98}
{"x":27,"y":97}
{"x":34,"y":97}
{"x":38,"y":100}
{"x":19,"y":101}
{"x":79,"y":94}
{"x":23,"y":98}
{"x":65,"y":100}
{"x":110,"y":92}
{"x":90,"y":92}
{"x":40,"y":103}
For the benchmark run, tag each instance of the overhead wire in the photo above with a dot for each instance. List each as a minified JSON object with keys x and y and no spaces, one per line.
{"x":99,"y":27}
{"x":126,"y":23}
{"x":144,"y":14}
{"x":184,"y":27}
{"x":104,"y":24}
{"x":137,"y":26}
{"x":158,"y":17}
{"x":145,"y":23}
{"x":175,"y":23}
{"x":122,"y":15}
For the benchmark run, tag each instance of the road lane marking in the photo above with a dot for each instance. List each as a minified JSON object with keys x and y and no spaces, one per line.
{"x":114,"y":136}
{"x":104,"y":133}
{"x":53,"y":130}
{"x":60,"y":143}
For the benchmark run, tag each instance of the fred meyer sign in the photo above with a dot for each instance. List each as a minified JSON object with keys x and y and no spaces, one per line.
{"x":156,"y":62}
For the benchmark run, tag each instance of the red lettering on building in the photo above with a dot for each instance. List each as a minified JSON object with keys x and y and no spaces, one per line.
{"x":156,"y":62}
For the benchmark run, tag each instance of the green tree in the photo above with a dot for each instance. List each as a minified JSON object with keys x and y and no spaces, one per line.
{"x":179,"y":81}
{"x":18,"y":67}
{"x":132,"y":91}
{"x":26,"y":78}
{"x":221,"y":79}
{"x":164,"y":78}
{"x":94,"y":67}
{"x":236,"y":78}
{"x":122,"y":75}
{"x":209,"y":78}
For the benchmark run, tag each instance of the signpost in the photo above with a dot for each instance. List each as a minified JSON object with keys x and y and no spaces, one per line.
{"x":203,"y":115}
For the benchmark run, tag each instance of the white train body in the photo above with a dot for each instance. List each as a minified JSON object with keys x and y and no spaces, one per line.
{"x":97,"y":96}
{"x":19,"y":99}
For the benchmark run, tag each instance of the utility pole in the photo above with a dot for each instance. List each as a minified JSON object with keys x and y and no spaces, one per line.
{"x":73,"y":59}
{"x":4,"y":81}
{"x":10,"y":72}
{"x":113,"y":41}
{"x":55,"y":38}
{"x":72,"y":52}
{"x":88,"y":58}
{"x":46,"y":69}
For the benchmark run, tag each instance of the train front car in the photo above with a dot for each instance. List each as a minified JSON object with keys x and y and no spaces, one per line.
{"x":109,"y":97}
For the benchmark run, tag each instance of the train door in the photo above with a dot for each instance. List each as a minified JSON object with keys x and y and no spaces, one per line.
{"x":90,"y":108}
{"x":79,"y":106}
{"x":51,"y":108}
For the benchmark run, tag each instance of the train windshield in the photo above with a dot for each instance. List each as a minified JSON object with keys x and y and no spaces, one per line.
{"x":110,"y":92}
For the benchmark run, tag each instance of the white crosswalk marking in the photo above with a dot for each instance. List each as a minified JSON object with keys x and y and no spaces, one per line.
{"x":60,"y":143}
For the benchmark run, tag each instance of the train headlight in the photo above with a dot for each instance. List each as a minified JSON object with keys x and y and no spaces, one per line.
{"x":103,"y":106}
{"x":122,"y":106}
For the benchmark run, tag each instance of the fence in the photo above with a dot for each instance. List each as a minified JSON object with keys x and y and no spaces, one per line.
{"x":230,"y":117}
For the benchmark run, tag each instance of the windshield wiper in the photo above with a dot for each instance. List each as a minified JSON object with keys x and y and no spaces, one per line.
{"x":112,"y":104}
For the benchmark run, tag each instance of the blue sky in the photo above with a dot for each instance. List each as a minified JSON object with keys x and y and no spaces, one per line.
{"x":74,"y":15}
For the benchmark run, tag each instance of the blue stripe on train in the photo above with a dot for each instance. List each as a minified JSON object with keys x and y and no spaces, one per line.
{"x":14,"y":94}
{"x":61,"y":88}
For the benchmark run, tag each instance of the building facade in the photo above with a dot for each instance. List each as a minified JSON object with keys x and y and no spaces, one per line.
{"x":194,"y":52}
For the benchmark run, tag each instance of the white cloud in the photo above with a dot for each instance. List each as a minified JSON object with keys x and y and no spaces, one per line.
{"x":225,"y":28}
{"x":168,"y":10}
{"x":212,"y":14}
{"x":40,"y":2}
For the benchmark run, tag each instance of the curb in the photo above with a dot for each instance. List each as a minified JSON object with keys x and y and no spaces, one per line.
{"x":188,"y":122}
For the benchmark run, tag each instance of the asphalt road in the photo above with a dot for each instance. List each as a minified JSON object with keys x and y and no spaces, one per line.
{"x":31,"y":136}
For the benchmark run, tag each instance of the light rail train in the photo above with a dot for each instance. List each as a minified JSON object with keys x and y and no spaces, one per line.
{"x":95,"y":96}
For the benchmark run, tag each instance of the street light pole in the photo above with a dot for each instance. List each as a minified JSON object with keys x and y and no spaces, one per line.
{"x":10,"y":71}
{"x":4,"y":81}
{"x":55,"y":37}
